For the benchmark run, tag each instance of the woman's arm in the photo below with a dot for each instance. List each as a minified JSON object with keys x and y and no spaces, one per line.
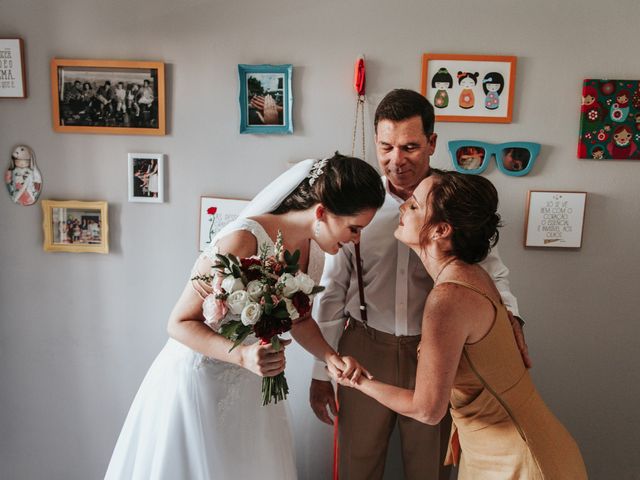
{"x":186,"y":322}
{"x":444,"y":332}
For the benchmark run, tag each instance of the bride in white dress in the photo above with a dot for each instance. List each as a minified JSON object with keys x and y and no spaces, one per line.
{"x":198,"y":412}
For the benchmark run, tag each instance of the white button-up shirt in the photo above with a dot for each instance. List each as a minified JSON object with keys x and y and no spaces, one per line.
{"x":396,"y":283}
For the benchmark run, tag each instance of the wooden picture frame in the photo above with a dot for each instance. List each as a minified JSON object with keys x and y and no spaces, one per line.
{"x":262,"y":87}
{"x":75,"y":226}
{"x":145,"y":172}
{"x":554,"y":218}
{"x":215,"y":213}
{"x":108,"y":96}
{"x":13,"y":76}
{"x":469,"y":88}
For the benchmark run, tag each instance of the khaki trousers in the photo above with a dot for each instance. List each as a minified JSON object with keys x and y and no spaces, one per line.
{"x":365,"y":425}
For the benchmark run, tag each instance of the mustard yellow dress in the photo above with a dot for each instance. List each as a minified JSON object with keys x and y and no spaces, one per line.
{"x":501,"y":427}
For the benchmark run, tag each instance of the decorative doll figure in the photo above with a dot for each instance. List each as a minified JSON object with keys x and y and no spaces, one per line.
{"x":467,"y":81}
{"x":590,"y":106}
{"x":492,"y":85}
{"x":597,"y":153}
{"x":22,"y":178}
{"x":441,"y":81}
{"x":620,"y":109}
{"x":621,"y":145}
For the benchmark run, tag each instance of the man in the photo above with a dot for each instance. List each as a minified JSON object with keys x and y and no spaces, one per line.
{"x":395,"y":288}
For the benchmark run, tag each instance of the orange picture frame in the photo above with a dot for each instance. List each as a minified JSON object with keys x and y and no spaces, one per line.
{"x":108,"y":96}
{"x":470,"y":88}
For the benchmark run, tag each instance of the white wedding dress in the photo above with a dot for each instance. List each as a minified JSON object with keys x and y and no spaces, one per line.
{"x":195,"y":418}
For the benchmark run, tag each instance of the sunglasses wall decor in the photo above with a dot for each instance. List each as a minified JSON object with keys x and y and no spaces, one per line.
{"x":513,"y":158}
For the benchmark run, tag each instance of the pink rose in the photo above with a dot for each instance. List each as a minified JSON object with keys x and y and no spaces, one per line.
{"x":214,"y":310}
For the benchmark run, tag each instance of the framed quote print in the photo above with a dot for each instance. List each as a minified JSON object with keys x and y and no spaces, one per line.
{"x":13,"y":82}
{"x":554,"y":219}
{"x":469,"y":88}
{"x":215,"y":213}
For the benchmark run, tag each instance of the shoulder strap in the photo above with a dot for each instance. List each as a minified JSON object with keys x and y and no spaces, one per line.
{"x":471,"y":287}
{"x":363,"y":304}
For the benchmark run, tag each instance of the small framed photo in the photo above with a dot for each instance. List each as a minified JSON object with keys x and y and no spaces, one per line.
{"x":146,"y":177}
{"x":215,"y":213}
{"x":554,"y":219}
{"x":13,"y":79}
{"x":265,"y":99}
{"x":72,"y":226}
{"x":469,"y":88}
{"x":108,"y":96}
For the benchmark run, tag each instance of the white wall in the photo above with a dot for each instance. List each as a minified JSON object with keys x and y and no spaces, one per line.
{"x":78,"y":331}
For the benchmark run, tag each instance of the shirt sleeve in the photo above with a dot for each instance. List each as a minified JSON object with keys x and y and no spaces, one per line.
{"x":499,"y":272}
{"x":329,"y":305}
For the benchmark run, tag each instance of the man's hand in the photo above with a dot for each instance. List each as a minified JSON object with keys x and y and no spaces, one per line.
{"x":267,"y":109}
{"x":321,"y":394}
{"x":522,"y":344}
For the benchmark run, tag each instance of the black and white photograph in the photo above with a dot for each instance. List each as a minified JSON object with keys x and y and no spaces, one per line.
{"x":108,"y":99}
{"x":146,"y":177}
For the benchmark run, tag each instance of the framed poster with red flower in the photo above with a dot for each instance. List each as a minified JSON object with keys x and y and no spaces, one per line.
{"x":215,"y":213}
{"x":610,"y":120}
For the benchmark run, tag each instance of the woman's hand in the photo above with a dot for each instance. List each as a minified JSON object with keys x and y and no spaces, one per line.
{"x":346,"y":370}
{"x":263,"y":360}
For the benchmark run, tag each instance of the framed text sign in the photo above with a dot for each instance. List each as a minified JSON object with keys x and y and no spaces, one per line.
{"x":13,"y":83}
{"x":554,"y":219}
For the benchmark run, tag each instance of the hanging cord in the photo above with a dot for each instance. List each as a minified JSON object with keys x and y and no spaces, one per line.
{"x":359,"y":110}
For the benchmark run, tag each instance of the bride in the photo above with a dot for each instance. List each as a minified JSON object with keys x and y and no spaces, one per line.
{"x":198,"y":413}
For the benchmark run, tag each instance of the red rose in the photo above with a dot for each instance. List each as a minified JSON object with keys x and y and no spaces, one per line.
{"x":250,"y":273}
{"x":300,"y":300}
{"x":212,"y":210}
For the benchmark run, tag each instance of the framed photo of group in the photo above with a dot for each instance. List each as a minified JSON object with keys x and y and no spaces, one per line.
{"x":108,"y":96}
{"x":469,"y":88}
{"x":554,"y":219}
{"x":215,"y":213}
{"x":73,"y":226}
{"x":265,"y":99}
{"x":13,"y":80}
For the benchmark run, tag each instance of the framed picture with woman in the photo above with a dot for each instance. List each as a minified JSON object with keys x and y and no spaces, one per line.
{"x":146,"y":177}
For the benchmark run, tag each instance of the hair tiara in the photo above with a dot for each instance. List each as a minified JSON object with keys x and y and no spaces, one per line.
{"x":316,"y":171}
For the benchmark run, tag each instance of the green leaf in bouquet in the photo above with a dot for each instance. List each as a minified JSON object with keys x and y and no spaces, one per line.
{"x":242,"y":334}
{"x":235,"y":271}
{"x":317,"y":289}
{"x":292,"y":268}
{"x":275,"y":343}
{"x":229,"y":330}
{"x":233,"y":258}
{"x":280,"y":311}
{"x":224,"y":260}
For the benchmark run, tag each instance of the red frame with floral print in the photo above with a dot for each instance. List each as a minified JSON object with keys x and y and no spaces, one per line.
{"x":610,"y":120}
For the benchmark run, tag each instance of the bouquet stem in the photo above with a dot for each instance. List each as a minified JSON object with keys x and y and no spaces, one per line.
{"x":274,"y":389}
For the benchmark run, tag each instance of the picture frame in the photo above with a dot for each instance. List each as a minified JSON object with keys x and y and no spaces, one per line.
{"x":554,"y":219}
{"x":13,"y":77}
{"x":266,"y":99}
{"x":108,"y":96}
{"x":75,"y":226}
{"x":145,"y":173}
{"x":470,"y":88}
{"x":215,"y":213}
{"x":610,"y":120}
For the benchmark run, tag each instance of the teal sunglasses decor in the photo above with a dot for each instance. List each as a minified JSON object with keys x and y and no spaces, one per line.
{"x":513,"y":158}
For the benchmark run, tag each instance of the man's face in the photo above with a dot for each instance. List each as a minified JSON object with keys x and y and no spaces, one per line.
{"x":403,"y":152}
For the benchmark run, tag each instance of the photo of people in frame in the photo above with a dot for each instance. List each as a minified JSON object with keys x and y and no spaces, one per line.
{"x":145,"y":177}
{"x":101,"y":97}
{"x":78,"y":227}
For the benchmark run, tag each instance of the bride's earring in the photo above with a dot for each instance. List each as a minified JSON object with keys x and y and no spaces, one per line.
{"x":316,"y":230}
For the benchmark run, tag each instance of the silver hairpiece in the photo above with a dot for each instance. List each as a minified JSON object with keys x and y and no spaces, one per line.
{"x":316,"y":171}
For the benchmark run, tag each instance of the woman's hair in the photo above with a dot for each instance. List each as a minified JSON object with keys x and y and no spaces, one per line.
{"x":468,"y":203}
{"x":346,"y":186}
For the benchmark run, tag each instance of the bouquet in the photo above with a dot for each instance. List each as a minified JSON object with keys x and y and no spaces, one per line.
{"x":260,"y":295}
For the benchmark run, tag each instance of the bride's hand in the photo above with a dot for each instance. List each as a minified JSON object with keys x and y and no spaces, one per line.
{"x":263,"y":360}
{"x":346,"y":370}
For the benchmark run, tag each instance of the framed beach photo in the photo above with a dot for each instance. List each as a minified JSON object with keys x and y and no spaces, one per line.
{"x":108,"y":96}
{"x":215,"y":213}
{"x":13,"y":79}
{"x":554,"y":219}
{"x":73,"y":226}
{"x":265,"y":99}
{"x":469,"y":88}
{"x":145,"y":172}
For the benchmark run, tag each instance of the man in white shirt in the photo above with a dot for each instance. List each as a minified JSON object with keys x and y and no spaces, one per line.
{"x":395,"y":289}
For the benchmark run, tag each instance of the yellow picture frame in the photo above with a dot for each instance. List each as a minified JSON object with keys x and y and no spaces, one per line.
{"x":80,"y":106}
{"x":75,"y":226}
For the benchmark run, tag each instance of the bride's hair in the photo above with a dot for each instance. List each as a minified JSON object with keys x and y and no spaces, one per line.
{"x":469,"y":204}
{"x":346,"y":186}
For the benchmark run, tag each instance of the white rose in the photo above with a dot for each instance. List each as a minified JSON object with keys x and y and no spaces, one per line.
{"x":255,"y":289}
{"x":305,"y":282}
{"x":251,"y":313}
{"x":231,"y":284}
{"x":291,"y":309}
{"x":289,"y":284}
{"x":237,"y":301}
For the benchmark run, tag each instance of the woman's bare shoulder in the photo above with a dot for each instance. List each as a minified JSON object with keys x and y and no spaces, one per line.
{"x":240,"y":243}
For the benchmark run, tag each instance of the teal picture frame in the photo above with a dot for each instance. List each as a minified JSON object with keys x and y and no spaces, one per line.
{"x":266,"y":99}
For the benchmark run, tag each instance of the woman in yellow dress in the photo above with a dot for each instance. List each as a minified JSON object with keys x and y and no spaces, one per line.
{"x":501,"y":427}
